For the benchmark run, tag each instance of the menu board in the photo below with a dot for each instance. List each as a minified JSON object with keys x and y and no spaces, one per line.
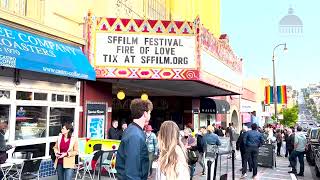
{"x":266,"y":155}
{"x":225,"y":145}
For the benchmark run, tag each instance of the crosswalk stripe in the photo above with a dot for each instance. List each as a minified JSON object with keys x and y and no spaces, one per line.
{"x":293,"y":177}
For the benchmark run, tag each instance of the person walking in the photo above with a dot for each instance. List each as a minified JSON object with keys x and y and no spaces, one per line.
{"x":172,"y":162}
{"x":241,"y":146}
{"x":252,"y":141}
{"x":300,"y":142}
{"x":200,"y":135}
{"x":279,"y":141}
{"x":190,"y":144}
{"x":65,"y":149}
{"x":152,"y":143}
{"x":132,"y":155}
{"x":114,"y":132}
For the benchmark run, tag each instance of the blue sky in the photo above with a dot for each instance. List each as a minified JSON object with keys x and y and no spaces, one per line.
{"x":252,"y":27}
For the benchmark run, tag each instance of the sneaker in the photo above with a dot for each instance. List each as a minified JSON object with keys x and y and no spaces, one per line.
{"x":203,"y":174}
{"x":294,"y":172}
{"x":255,"y":177}
{"x":243,"y":176}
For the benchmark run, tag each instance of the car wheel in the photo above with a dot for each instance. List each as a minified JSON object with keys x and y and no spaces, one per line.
{"x":317,"y":171}
{"x":308,"y":157}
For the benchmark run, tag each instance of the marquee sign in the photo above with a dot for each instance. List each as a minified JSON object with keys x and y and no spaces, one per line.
{"x":144,"y":50}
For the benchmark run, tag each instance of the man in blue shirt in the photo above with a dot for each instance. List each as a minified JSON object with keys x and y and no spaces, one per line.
{"x":252,"y":141}
{"x":132,"y":156}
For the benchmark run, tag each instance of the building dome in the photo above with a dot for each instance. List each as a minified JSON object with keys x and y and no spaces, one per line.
{"x":290,"y":24}
{"x":291,"y":19}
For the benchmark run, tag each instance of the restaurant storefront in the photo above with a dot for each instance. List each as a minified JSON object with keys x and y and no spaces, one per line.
{"x":39,"y":87}
{"x":170,"y":61}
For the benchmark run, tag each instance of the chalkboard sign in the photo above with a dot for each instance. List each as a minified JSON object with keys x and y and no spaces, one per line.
{"x":266,"y":155}
{"x":225,"y":145}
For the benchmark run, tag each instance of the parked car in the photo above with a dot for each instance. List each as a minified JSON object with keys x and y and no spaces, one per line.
{"x":312,"y":144}
{"x":317,"y":158}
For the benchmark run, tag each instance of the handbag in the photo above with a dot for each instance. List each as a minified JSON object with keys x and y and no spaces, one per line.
{"x":192,"y":157}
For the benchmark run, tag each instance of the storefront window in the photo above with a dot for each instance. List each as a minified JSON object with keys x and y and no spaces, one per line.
{"x":24,"y":95}
{"x":32,"y":151}
{"x":58,"y":116}
{"x":4,"y":4}
{"x":4,"y":117}
{"x":30,"y":122}
{"x":4,"y":94}
{"x":40,"y":96}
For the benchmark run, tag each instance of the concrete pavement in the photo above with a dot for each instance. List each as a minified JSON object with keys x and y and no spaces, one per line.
{"x":278,"y":173}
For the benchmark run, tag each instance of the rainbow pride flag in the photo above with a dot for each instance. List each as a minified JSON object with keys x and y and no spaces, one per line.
{"x":281,"y":94}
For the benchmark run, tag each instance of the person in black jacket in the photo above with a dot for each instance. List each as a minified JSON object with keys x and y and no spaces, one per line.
{"x":290,"y":142}
{"x":200,"y":148}
{"x":241,"y":146}
{"x":219,"y":132}
{"x":114,"y":132}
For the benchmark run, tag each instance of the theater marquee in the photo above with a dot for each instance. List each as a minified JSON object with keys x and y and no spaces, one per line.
{"x":145,"y":50}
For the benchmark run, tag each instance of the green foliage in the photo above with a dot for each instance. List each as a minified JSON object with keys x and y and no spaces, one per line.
{"x":290,"y":116}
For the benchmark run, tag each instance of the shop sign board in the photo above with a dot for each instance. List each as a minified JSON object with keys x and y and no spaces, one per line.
{"x":266,"y":155}
{"x":145,"y":50}
{"x":96,"y":117}
{"x":215,"y":67}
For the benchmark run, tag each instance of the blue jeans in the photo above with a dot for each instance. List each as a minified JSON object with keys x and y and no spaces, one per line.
{"x":64,"y":173}
{"x":293,"y":161}
{"x":192,"y":170}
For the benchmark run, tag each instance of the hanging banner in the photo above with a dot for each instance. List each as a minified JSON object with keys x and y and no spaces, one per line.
{"x":96,"y":117}
{"x":281,"y":94}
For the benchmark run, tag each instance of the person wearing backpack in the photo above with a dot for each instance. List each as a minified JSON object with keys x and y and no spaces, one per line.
{"x":190,"y":144}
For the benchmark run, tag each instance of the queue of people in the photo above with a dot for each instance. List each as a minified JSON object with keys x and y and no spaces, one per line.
{"x":176,"y":154}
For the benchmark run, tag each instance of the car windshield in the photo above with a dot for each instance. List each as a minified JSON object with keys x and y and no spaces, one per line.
{"x":314,"y":133}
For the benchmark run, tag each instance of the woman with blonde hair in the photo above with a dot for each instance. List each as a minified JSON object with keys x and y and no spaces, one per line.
{"x":210,"y":138}
{"x":172,"y":162}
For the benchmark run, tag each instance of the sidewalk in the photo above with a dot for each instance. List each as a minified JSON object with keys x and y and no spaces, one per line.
{"x":278,"y":173}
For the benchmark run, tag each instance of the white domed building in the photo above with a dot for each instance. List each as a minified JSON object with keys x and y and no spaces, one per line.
{"x":291,"y":24}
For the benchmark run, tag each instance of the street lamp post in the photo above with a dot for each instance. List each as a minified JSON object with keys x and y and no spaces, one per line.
{"x":275,"y":96}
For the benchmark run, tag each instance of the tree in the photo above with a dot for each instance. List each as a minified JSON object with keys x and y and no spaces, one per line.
{"x":290,"y":116}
